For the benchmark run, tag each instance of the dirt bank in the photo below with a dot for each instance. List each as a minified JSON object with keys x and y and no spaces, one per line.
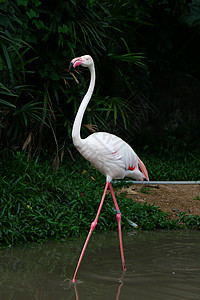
{"x":170,"y":198}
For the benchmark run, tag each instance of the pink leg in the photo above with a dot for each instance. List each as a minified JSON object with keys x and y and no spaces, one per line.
{"x":118,"y":216}
{"x":93,"y":225}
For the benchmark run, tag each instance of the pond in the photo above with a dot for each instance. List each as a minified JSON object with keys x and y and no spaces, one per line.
{"x":160,"y":265}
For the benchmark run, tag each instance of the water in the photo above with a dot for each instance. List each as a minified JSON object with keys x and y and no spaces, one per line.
{"x":160,"y":265}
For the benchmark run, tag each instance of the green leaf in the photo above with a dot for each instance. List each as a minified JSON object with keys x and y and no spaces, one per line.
{"x":54,"y":76}
{"x":8,"y":60}
{"x":32,"y":14}
{"x":39,"y":24}
{"x":7,"y":103}
{"x":63,"y":29}
{"x":22,"y":2}
{"x":136,"y":58}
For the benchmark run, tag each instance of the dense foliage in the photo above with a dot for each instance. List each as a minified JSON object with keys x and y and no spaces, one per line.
{"x":39,"y":98}
{"x":38,"y":39}
{"x":39,"y":202}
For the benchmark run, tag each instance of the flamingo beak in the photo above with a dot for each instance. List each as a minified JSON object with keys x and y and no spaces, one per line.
{"x":75,"y":62}
{"x":71,"y":66}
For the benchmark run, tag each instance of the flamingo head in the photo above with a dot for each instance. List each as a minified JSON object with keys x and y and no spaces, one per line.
{"x":85,"y":61}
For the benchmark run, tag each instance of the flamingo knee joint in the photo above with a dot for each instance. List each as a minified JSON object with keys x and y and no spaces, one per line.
{"x":118,"y":216}
{"x":93,"y":224}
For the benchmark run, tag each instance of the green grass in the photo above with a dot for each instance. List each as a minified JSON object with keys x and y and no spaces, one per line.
{"x":145,"y":190}
{"x":38,"y":203}
{"x":172,"y":167}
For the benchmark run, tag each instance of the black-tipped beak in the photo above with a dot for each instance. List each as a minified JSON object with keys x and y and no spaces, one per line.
{"x":71,"y":66}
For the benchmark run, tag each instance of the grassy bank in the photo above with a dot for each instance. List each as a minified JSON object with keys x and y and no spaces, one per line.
{"x":40,"y":203}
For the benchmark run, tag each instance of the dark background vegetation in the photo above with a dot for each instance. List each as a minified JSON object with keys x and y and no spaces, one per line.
{"x":147,"y":61}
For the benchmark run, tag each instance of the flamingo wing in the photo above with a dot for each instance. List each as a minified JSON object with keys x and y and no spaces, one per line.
{"x":111,"y":156}
{"x":99,"y":150}
{"x":121,"y":153}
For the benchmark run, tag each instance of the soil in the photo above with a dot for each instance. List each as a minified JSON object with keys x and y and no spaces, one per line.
{"x":173,"y":199}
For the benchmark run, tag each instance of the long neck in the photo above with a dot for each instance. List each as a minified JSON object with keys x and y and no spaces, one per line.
{"x":79,"y":116}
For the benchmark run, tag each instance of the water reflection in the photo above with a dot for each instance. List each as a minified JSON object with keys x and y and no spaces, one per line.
{"x":121,"y":283}
{"x":160,"y":265}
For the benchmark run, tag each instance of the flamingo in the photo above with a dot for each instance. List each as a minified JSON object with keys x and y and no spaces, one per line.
{"x":109,"y":154}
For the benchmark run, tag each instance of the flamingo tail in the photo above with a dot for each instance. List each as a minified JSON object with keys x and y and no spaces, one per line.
{"x":143,"y":168}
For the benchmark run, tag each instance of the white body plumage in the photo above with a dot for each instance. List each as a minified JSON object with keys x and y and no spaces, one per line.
{"x":111,"y":156}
